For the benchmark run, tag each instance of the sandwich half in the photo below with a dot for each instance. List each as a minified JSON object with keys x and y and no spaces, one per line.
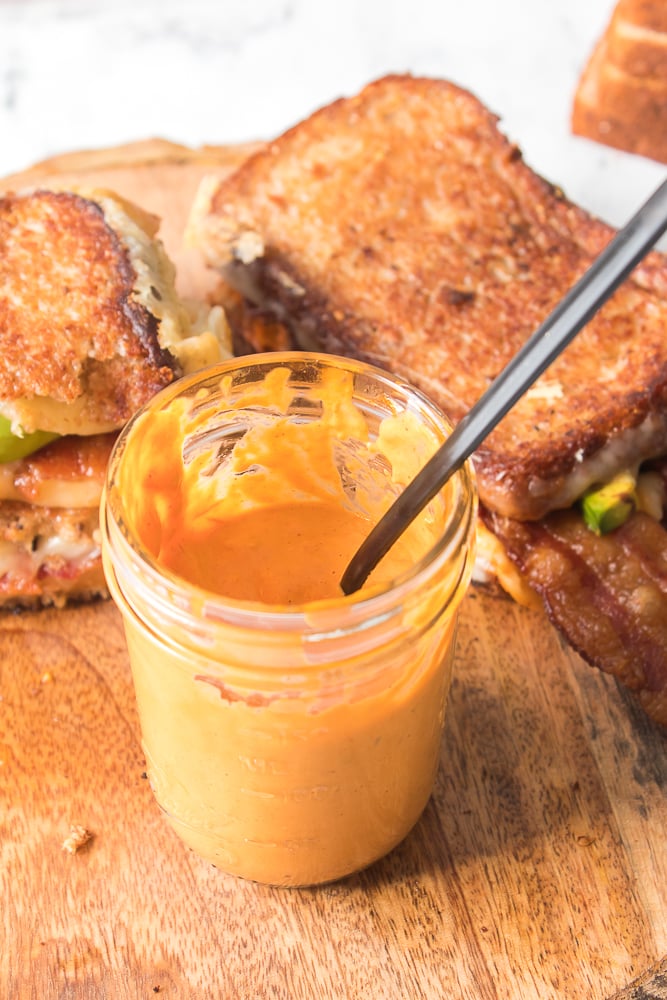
{"x":91,"y":327}
{"x":400,"y":226}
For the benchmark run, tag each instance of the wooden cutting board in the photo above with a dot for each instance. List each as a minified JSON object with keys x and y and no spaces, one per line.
{"x":539,"y":869}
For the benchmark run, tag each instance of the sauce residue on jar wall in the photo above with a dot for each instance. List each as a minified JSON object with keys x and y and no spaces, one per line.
{"x":274,"y":522}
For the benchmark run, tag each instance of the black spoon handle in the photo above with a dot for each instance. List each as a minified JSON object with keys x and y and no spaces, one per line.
{"x":581,"y":303}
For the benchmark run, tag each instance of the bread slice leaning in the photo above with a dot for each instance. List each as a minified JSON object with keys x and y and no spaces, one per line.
{"x":402,"y":227}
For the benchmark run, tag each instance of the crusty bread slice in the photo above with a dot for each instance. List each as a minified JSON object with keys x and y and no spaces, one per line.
{"x":160,"y":176}
{"x":87,"y":310}
{"x":402,"y":227}
{"x":621,"y":97}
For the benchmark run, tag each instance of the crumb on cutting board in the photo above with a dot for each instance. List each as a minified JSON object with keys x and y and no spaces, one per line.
{"x":78,"y":837}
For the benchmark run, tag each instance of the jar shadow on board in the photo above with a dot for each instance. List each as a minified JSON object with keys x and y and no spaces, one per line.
{"x":291,"y":733}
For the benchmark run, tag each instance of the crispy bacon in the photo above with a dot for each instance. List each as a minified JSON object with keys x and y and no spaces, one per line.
{"x":67,"y":459}
{"x":659,"y":465}
{"x":607,"y":595}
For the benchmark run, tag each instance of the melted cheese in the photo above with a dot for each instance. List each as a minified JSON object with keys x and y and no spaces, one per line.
{"x":493,"y":563}
{"x":17,"y":561}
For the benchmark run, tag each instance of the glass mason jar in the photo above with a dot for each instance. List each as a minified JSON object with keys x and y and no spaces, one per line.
{"x":290,"y":744}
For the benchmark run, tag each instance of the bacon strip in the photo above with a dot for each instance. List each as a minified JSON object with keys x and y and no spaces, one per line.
{"x":66,"y":464}
{"x":607,"y":595}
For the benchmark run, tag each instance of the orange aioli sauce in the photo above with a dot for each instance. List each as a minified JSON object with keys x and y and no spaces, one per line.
{"x":274,"y":525}
{"x":283,"y":767}
{"x":287,"y":554}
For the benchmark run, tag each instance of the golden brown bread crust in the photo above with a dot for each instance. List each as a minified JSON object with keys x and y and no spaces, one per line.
{"x":621,"y":97}
{"x":402,"y":227}
{"x":70,"y":323}
{"x":637,"y":38}
{"x":160,"y":176}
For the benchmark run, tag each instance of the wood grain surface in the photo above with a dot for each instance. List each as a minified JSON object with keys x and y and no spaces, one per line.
{"x":539,"y":869}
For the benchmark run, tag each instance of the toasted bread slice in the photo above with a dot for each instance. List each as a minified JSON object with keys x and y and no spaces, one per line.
{"x":88,"y":312}
{"x":621,"y":97}
{"x":160,"y":176}
{"x":402,"y":227}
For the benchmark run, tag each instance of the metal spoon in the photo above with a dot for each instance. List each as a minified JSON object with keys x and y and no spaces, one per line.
{"x":581,"y":303}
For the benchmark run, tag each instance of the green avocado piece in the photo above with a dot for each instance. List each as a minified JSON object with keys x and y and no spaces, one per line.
{"x":13,"y":447}
{"x":608,"y":507}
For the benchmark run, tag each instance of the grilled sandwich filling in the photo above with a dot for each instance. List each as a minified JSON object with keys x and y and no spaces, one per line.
{"x":91,"y":327}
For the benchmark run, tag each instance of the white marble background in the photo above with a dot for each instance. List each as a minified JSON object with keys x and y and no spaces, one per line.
{"x":78,"y":74}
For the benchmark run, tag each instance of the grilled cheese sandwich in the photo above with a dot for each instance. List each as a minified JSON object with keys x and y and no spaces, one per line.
{"x":402,"y":227}
{"x":91,"y":326}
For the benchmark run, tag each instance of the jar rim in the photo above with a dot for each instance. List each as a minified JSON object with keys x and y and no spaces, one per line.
{"x":174,"y":594}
